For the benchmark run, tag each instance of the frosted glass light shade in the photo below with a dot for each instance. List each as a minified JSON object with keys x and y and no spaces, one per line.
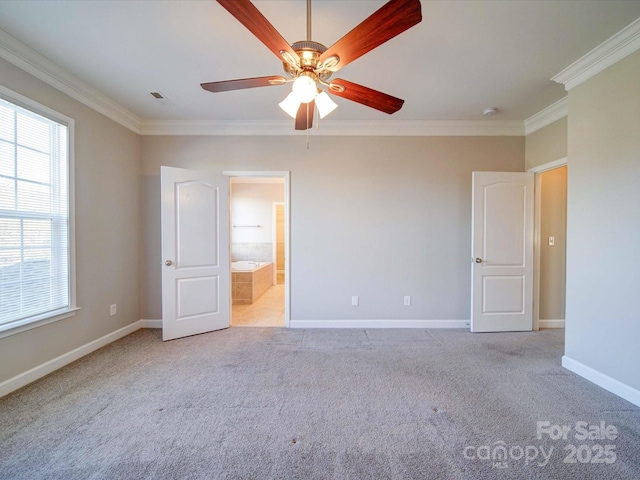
{"x":305,"y":89}
{"x":290,"y":105}
{"x":325,"y":104}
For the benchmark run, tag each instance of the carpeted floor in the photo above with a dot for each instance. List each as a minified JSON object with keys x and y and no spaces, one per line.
{"x":261,"y":403}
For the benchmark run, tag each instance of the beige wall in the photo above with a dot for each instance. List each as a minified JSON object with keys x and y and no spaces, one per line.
{"x":553,"y":223}
{"x":603,"y":230}
{"x":107,"y":231}
{"x":252,"y":204}
{"x":547,"y":144}
{"x":378,"y":217}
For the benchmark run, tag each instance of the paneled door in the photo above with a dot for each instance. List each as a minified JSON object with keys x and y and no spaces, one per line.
{"x":502,"y":252}
{"x":195,"y":252}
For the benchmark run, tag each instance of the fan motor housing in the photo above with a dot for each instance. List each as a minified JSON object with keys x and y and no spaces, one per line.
{"x":309,"y":53}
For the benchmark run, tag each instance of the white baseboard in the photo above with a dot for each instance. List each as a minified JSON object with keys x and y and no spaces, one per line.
{"x":612,"y":385}
{"x":379,"y":324}
{"x":551,"y":323}
{"x":355,"y":324}
{"x":51,"y":366}
{"x":150,"y":323}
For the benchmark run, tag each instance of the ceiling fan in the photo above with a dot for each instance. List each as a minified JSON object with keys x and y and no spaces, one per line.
{"x":309,"y":65}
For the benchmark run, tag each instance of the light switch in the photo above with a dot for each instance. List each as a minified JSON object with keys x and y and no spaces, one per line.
{"x":354,"y":300}
{"x":552,"y":241}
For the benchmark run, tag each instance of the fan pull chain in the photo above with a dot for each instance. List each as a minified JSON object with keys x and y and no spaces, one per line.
{"x":308,"y":125}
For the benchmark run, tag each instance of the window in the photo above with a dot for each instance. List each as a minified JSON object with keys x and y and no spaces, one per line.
{"x":36,"y":281}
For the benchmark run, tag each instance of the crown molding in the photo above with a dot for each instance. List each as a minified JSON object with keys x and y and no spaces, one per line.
{"x":623,"y":43}
{"x":425,"y":128}
{"x":606,"y":54}
{"x":32,"y":62}
{"x":547,"y":116}
{"x":27,"y":59}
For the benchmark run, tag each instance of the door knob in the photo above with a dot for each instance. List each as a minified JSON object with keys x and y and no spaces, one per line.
{"x":478,"y":260}
{"x":168,"y":263}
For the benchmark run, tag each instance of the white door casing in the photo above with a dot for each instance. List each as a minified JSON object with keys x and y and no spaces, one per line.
{"x":502,"y":251}
{"x":538,"y":171}
{"x":195,"y":252}
{"x":285,"y":175}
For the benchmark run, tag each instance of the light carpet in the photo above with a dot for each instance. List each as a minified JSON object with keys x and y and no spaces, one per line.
{"x":262,"y":403}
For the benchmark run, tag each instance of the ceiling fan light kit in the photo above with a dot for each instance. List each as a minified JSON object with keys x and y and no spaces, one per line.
{"x":290,"y":105}
{"x":325,"y":104}
{"x":310,"y":64}
{"x":305,"y":87}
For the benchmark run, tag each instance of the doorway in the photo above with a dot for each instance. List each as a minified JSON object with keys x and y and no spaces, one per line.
{"x":259,"y":252}
{"x":551,"y":246}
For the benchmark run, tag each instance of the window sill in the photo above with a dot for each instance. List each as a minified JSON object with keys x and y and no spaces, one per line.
{"x":20,"y":326}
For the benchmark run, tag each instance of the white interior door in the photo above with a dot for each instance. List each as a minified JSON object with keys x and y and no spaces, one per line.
{"x":195,"y":252}
{"x":502,"y":252}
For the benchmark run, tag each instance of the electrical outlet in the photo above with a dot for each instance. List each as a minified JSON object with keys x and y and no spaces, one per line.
{"x":113,"y":309}
{"x":355,"y":301}
{"x":407,"y":300}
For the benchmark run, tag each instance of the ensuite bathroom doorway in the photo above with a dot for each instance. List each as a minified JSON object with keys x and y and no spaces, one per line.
{"x":258,"y":206}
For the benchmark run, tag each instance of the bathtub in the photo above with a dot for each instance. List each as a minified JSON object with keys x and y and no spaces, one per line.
{"x":249,"y":281}
{"x":246,"y":266}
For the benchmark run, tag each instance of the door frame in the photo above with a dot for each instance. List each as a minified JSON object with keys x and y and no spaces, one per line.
{"x":537,"y":220}
{"x":287,"y":209}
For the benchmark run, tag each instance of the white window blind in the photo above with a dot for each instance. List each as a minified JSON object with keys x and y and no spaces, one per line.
{"x":34,"y":216}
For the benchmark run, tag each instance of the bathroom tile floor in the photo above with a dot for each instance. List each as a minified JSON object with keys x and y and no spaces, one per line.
{"x":267,"y":311}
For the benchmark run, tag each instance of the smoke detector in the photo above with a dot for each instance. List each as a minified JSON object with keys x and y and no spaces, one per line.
{"x":490,"y":112}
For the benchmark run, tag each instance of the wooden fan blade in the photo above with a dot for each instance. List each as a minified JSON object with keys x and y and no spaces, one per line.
{"x":248,"y":15}
{"x":366,"y":96}
{"x":391,"y":19}
{"x":304,"y":118}
{"x":241,"y":83}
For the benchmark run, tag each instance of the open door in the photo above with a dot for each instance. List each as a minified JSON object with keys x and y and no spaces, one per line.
{"x":502,"y":252}
{"x":195,"y":252}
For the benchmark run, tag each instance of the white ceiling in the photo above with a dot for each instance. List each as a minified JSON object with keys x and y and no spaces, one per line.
{"x":463,"y":57}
